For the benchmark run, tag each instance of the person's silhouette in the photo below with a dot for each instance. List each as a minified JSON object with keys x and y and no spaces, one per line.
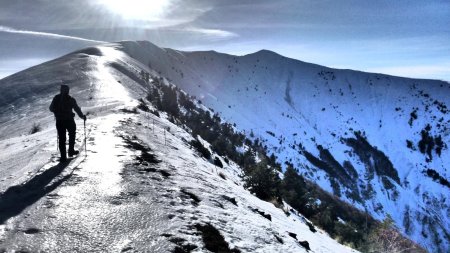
{"x":62,"y":105}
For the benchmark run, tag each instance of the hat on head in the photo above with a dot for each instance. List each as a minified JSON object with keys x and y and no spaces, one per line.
{"x":64,"y":89}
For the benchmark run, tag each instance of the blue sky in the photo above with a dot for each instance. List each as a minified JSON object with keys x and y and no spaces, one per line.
{"x":407,"y":38}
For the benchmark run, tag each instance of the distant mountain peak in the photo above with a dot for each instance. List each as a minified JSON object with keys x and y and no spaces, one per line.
{"x":265,"y":52}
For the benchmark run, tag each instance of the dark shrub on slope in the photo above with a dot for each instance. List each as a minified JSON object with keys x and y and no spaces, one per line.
{"x":263,"y":181}
{"x":374,"y":160}
{"x":200,"y":148}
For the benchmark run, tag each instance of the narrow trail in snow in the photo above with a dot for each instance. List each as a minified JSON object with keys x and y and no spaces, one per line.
{"x":96,"y":208}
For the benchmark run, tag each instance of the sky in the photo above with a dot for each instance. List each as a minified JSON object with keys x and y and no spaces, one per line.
{"x":403,"y":37}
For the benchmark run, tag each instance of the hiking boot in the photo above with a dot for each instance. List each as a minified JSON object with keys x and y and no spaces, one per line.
{"x":73,"y":153}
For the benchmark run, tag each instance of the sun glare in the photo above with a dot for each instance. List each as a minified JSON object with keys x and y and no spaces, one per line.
{"x":150,"y":10}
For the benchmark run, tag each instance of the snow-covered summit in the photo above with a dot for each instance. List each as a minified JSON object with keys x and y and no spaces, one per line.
{"x":139,"y":186}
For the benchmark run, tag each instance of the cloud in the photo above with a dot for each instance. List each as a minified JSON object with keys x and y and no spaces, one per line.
{"x":47,"y":35}
{"x":214,"y":33}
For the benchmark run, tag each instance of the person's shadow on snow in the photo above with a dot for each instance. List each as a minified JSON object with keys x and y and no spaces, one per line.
{"x":16,"y":198}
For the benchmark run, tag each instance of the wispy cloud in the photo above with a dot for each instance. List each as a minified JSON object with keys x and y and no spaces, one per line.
{"x":214,"y":33}
{"x":46,"y":34}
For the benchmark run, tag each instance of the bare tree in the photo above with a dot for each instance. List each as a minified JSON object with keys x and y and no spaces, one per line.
{"x":386,"y":239}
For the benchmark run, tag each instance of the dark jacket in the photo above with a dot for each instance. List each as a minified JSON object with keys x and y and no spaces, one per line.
{"x":62,"y":106}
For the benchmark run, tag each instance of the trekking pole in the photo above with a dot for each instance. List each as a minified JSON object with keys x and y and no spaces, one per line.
{"x":85,"y":145}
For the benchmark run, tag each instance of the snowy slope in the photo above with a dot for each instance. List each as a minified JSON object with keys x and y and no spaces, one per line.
{"x":296,"y":107}
{"x":138,"y":186}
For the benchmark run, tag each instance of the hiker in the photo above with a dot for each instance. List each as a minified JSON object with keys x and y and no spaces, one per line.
{"x":62,"y":105}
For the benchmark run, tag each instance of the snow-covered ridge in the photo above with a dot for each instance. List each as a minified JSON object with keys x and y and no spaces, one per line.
{"x":116,"y":198}
{"x":295,"y":107}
